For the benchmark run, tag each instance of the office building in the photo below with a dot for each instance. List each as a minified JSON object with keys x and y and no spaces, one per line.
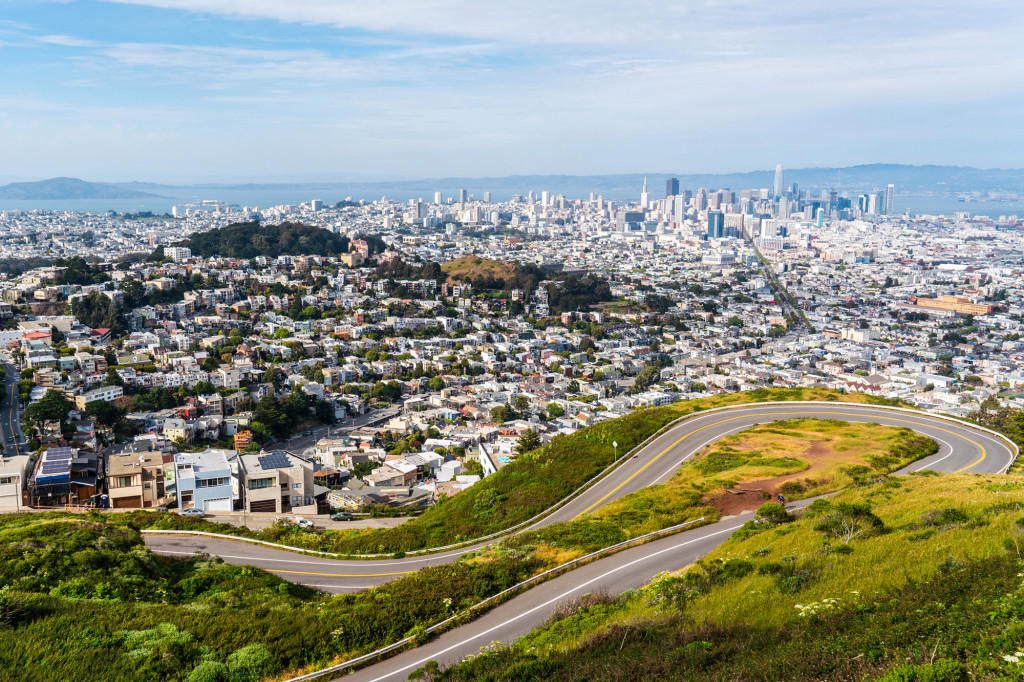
{"x":644,"y":197}
{"x":890,"y":193}
{"x":716,"y":224}
{"x":438,"y":198}
{"x":778,"y":180}
{"x":462,"y":196}
{"x":317,"y":204}
{"x":671,"y":187}
{"x":487,"y":197}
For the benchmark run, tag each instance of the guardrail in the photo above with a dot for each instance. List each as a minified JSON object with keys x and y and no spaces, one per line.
{"x":469,"y":612}
{"x":527,"y":524}
{"x":603,"y":474}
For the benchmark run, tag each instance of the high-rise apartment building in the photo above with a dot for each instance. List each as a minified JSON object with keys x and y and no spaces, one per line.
{"x":462,"y":196}
{"x":438,"y":198}
{"x":890,"y":195}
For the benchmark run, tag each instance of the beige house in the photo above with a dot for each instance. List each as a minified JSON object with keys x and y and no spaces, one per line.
{"x":14,"y":473}
{"x":277,"y":482}
{"x":135,"y":480}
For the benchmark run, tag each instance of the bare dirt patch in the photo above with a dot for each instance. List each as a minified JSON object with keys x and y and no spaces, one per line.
{"x":750,"y":495}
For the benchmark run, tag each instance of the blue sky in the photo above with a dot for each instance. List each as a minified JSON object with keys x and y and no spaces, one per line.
{"x":230,"y":90}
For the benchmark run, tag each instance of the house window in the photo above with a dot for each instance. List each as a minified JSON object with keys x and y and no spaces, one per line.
{"x":7,"y":480}
{"x":124,"y":481}
{"x":257,"y":483}
{"x":296,"y":486}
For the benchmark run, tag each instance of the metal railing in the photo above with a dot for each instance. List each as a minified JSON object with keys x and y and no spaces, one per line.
{"x":604,"y":473}
{"x":471,"y":611}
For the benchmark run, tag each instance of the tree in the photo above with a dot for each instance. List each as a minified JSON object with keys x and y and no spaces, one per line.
{"x":555,"y":410}
{"x":113,"y":378}
{"x":521,"y":403}
{"x":500,"y":414}
{"x":269,"y":413}
{"x":53,"y":406}
{"x":103,"y":412}
{"x":574,"y":387}
{"x":437,"y":384}
{"x":296,"y":407}
{"x":529,"y":441}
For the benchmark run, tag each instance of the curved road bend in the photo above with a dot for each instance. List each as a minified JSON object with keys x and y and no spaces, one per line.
{"x":961,"y":448}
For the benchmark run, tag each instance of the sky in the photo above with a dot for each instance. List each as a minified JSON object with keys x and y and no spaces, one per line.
{"x":299,"y":90}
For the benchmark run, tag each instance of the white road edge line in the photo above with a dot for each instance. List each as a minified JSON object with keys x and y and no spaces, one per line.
{"x":552,"y":601}
{"x":280,"y":561}
{"x":931,"y":464}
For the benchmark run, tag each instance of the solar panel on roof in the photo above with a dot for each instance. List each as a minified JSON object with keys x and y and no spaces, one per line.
{"x":275,"y":460}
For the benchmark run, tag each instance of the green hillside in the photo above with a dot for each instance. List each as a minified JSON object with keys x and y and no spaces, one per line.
{"x":248,"y":240}
{"x":901,"y":579}
{"x":469,"y":268}
{"x":518,"y":491}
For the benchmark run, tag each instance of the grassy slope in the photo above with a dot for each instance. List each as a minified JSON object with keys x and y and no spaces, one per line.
{"x":941,"y":581}
{"x":80,"y":587}
{"x":469,"y":267}
{"x":764,"y":452}
{"x":517,"y":492}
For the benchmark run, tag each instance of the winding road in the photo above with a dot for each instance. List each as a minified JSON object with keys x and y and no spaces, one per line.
{"x":962,"y":448}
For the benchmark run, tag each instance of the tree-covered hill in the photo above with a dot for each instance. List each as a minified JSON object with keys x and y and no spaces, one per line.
{"x":248,"y":240}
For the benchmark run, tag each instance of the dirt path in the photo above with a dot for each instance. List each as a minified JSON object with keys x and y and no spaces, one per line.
{"x":752,"y":494}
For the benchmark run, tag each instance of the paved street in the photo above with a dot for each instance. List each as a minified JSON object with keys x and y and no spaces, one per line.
{"x":302,"y":441}
{"x":10,"y":416}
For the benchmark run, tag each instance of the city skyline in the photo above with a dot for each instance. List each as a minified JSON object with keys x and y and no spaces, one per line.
{"x":168,"y":90}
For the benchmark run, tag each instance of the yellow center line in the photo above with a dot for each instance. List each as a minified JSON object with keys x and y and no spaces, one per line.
{"x":340,"y":575}
{"x":849,"y":414}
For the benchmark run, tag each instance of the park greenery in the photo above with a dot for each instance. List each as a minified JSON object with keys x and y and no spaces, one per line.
{"x":897,"y":579}
{"x":251,"y":239}
{"x":525,"y":487}
{"x":84,"y":599}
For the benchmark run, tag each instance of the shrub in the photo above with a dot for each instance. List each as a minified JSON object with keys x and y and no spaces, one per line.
{"x":941,"y":671}
{"x":850,"y":520}
{"x":210,"y":671}
{"x":249,"y":663}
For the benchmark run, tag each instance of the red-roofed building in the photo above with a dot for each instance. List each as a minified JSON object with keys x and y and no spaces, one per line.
{"x":45,"y":337}
{"x":100,"y":336}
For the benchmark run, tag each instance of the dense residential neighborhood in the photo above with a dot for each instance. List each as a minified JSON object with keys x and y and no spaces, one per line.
{"x":442,"y":337}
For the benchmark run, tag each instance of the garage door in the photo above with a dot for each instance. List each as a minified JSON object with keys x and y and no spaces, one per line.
{"x":127,"y":502}
{"x":217,"y":504}
{"x":263,"y":506}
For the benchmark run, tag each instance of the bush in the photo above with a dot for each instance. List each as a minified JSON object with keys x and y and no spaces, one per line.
{"x":940,"y":671}
{"x":249,"y":664}
{"x":210,"y":671}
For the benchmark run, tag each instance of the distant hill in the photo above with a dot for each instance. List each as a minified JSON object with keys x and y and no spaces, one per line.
{"x":940,"y":180}
{"x":56,"y":189}
{"x":248,"y":240}
{"x":471,"y":267}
